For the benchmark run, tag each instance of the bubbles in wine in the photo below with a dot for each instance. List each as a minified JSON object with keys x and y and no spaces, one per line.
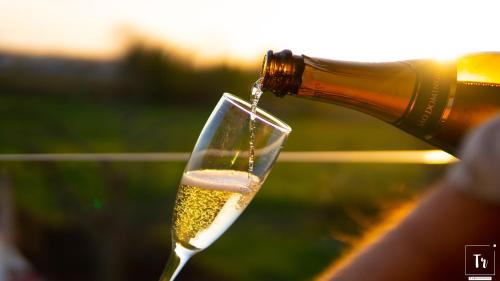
{"x":254,"y":99}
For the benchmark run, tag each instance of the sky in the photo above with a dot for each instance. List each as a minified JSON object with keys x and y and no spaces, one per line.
{"x":240,"y":32}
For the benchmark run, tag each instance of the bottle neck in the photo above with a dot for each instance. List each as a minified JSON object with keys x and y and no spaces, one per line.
{"x":383,"y":90}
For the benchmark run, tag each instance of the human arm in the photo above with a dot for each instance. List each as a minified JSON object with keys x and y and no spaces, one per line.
{"x":464,"y":208}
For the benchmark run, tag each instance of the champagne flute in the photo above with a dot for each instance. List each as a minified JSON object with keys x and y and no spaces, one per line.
{"x":217,"y":185}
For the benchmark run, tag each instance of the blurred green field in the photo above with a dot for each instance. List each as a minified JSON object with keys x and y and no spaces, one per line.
{"x":115,"y":217}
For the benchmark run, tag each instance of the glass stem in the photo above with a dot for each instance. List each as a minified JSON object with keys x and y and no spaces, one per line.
{"x":178,"y":258}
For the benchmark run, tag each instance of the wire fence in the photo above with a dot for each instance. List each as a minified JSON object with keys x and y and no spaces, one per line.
{"x":378,"y":156}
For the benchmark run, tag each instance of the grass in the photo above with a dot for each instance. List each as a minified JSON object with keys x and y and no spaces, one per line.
{"x":292,"y":230}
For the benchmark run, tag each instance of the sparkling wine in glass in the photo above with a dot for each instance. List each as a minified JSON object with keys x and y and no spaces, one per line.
{"x":217,"y":184}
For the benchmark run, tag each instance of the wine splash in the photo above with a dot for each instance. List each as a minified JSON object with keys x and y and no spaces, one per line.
{"x":254,"y":99}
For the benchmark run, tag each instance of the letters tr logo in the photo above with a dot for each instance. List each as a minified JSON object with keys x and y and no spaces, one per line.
{"x":480,"y":262}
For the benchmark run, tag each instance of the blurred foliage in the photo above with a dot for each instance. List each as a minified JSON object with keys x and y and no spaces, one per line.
{"x":151,"y":73}
{"x":110,"y":221}
{"x":146,"y":73}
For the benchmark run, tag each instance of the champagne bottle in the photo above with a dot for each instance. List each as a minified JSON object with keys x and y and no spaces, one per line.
{"x":436,"y":101}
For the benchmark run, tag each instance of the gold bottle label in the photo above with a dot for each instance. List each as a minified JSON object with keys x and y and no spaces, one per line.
{"x":432,"y":100}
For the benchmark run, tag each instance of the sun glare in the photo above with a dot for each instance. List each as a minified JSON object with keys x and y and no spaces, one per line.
{"x":241,"y":31}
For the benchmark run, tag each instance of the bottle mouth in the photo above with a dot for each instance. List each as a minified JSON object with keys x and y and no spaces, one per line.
{"x":266,"y":63}
{"x":282,"y":72}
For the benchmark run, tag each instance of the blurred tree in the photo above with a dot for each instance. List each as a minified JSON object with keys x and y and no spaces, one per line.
{"x":153,"y":73}
{"x":148,"y":72}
